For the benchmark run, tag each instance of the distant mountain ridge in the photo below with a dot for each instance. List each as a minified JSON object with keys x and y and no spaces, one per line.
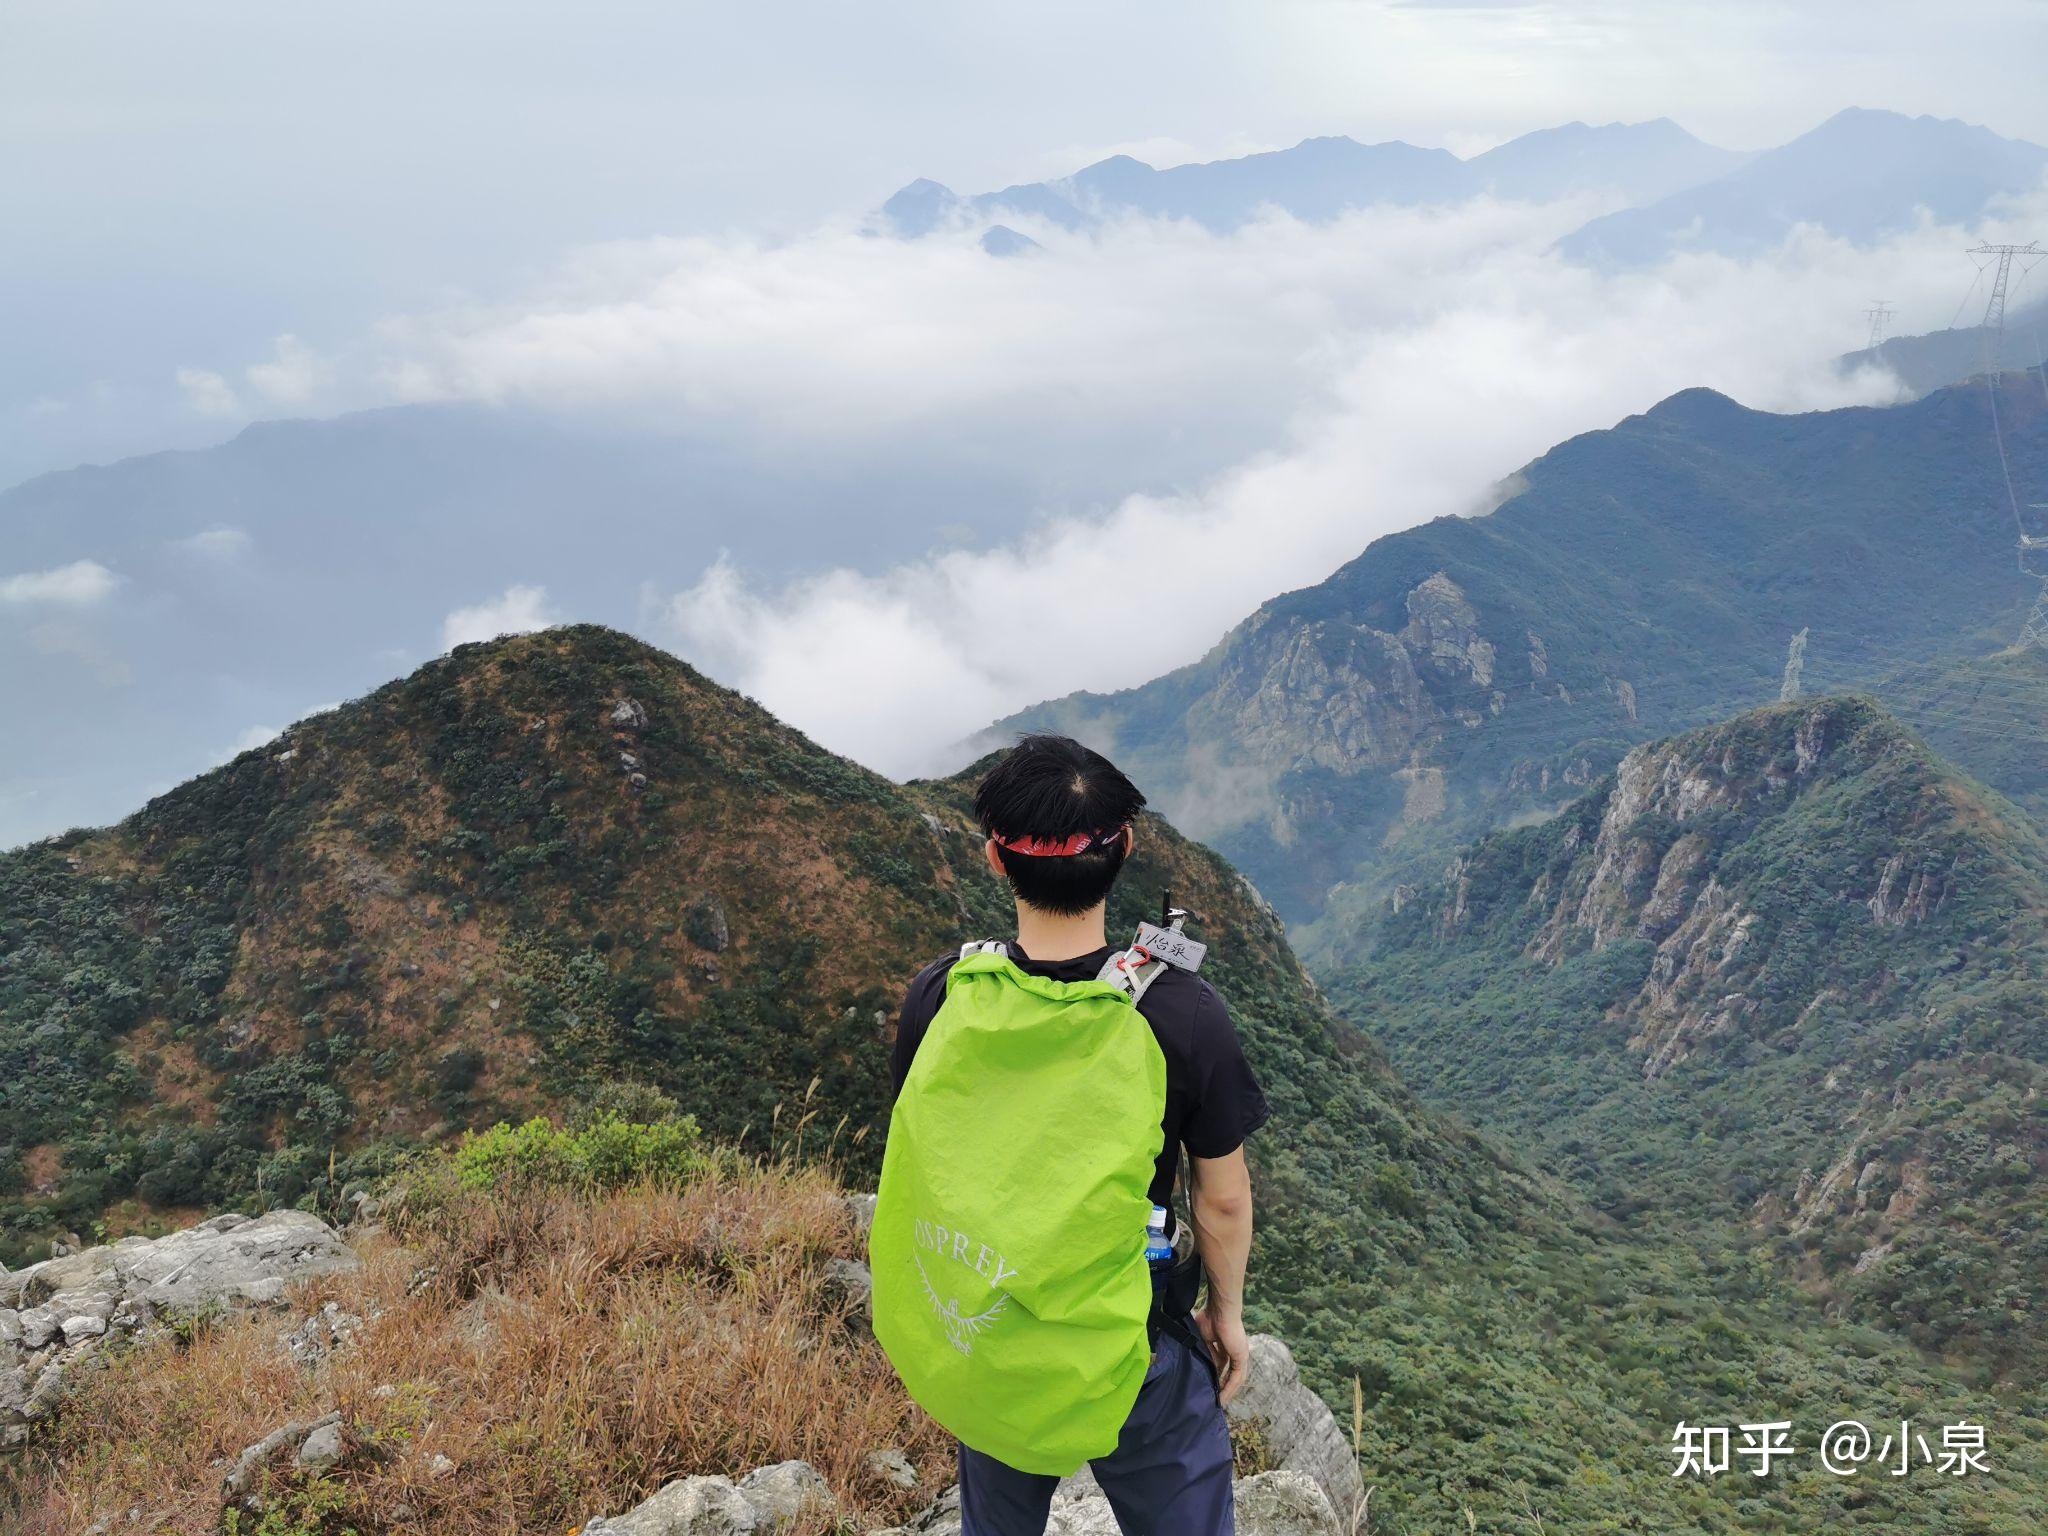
{"x":1934,"y":359}
{"x":1643,"y":579}
{"x":1321,"y":178}
{"x":1861,"y":175}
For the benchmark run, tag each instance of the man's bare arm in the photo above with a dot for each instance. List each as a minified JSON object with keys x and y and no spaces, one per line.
{"x":1220,"y":1195}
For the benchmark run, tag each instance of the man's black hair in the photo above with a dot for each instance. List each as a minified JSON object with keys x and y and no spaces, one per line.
{"x":1053,"y":787}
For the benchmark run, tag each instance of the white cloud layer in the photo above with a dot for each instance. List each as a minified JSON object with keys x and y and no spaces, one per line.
{"x":207,"y":393}
{"x":1430,"y":360}
{"x":1398,"y":364}
{"x":518,"y":610}
{"x":293,"y":375}
{"x":80,"y":584}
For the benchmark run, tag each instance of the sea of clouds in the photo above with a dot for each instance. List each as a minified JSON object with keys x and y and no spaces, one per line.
{"x":1301,"y":389}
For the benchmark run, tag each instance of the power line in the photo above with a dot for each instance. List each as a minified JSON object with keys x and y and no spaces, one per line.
{"x":1878,"y":314}
{"x":1999,"y":258}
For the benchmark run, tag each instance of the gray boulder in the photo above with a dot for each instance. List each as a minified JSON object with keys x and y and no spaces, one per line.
{"x":54,"y":1380}
{"x":1078,"y":1509}
{"x":1298,"y":1429}
{"x":766,"y":1501}
{"x":1285,"y":1504}
{"x":82,"y":1326}
{"x":689,"y":1506}
{"x":294,"y":1434}
{"x":53,"y":1315}
{"x":849,"y":1284}
{"x":891,"y":1466}
{"x":784,"y":1493}
{"x":37,"y":1283}
{"x":233,"y":1259}
{"x":225,"y":1259}
{"x":862,"y":1209}
{"x":1270,"y":1504}
{"x":321,"y":1448}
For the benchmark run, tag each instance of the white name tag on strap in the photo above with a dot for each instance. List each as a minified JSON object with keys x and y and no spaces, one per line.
{"x":1176,"y":949}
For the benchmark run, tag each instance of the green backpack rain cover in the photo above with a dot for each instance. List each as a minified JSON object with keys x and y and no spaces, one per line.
{"x":1008,"y":1249}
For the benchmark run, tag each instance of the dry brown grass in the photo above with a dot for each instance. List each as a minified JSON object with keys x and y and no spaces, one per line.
{"x":567,"y":1355}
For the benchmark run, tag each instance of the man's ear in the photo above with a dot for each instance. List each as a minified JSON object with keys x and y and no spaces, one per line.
{"x":995,"y":859}
{"x":1130,"y":840}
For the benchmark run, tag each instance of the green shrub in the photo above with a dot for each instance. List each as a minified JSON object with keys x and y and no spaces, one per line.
{"x":315,"y":1508}
{"x":607,"y":1153}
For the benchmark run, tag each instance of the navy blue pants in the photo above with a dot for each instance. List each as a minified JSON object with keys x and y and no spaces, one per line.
{"x":1168,"y":1476}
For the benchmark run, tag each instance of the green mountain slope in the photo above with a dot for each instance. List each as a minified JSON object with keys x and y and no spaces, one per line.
{"x":527,"y":870}
{"x":1472,"y":671}
{"x":1935,"y":359}
{"x":566,"y":867}
{"x":1787,"y":974}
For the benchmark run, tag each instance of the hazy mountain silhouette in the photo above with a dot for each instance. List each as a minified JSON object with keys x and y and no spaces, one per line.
{"x":1862,"y":175}
{"x":1321,"y":178}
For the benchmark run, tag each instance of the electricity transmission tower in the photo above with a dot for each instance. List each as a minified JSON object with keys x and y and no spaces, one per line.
{"x":2035,"y":631}
{"x":2001,"y":283}
{"x":1878,"y":313}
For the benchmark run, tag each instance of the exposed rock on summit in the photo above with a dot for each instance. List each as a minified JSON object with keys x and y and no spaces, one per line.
{"x":56,"y":1314}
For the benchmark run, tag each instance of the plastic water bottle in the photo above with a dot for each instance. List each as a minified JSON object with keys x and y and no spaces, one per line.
{"x":1158,"y":1248}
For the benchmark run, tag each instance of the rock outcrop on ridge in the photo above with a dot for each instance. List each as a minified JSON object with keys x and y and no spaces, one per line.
{"x":55,"y":1316}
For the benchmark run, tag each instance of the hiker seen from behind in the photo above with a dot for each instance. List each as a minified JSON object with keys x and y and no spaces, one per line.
{"x":1033,"y":1285}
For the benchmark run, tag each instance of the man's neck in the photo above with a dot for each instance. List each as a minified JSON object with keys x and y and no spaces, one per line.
{"x":1051,"y":937}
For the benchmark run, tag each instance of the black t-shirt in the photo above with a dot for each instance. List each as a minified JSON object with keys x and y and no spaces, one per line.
{"x":1212,"y":1100}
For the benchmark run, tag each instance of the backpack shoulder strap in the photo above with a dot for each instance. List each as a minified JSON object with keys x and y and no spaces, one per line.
{"x":1131,"y":971}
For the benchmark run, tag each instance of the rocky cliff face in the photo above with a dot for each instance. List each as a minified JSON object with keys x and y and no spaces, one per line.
{"x":1651,"y":870}
{"x":1792,"y":968}
{"x":1352,"y":698}
{"x":1335,"y":739}
{"x":1472,"y":672}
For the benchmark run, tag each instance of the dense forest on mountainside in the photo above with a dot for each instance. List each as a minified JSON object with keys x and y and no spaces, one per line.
{"x":1787,"y":974}
{"x":565,"y":870}
{"x":1473,"y":671}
